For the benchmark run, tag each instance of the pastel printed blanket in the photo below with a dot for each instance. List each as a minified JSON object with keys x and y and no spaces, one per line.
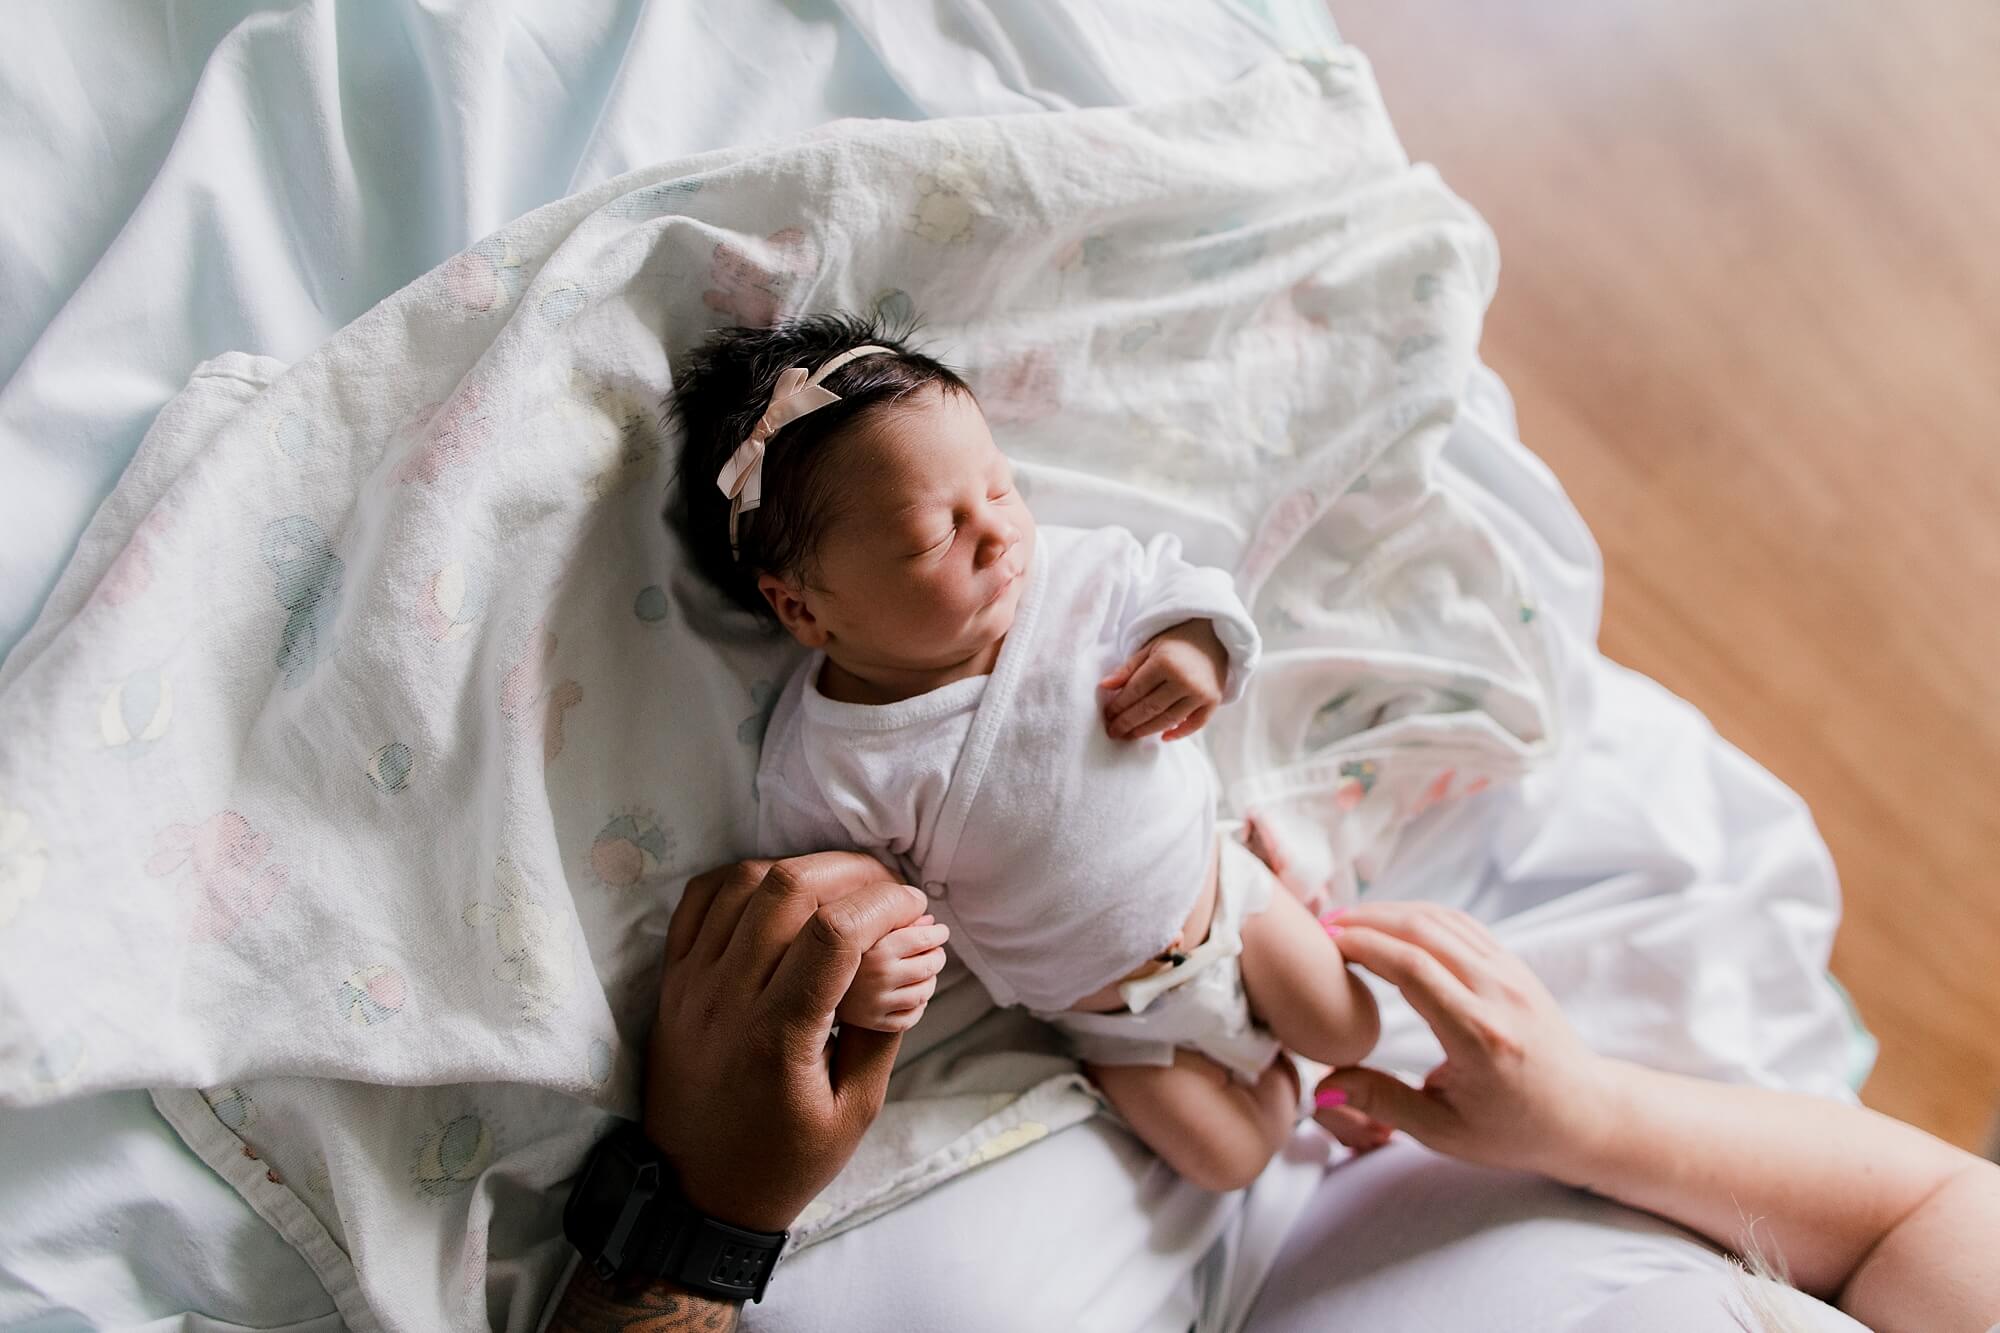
{"x":350,"y":775}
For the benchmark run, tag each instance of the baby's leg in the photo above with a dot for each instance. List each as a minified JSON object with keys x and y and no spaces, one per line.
{"x":1300,"y":988}
{"x":1215,"y":1131}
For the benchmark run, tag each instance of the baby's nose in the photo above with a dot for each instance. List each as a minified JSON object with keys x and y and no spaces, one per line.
{"x":998,"y":543}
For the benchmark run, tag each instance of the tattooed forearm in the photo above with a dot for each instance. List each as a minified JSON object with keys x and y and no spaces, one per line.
{"x":591,"y":1306}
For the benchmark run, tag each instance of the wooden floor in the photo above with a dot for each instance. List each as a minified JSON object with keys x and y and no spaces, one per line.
{"x":1750,"y":308}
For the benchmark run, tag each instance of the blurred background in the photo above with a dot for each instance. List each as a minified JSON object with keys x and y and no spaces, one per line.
{"x":1750,"y":309}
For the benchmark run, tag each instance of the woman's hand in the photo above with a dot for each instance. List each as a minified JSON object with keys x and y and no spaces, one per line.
{"x":897,"y":978}
{"x":1517,"y":1087}
{"x":745,"y":1094}
{"x":1172,"y":684}
{"x":1894,"y":1225}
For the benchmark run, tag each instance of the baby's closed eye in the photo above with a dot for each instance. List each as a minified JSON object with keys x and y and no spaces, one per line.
{"x":929,"y":544}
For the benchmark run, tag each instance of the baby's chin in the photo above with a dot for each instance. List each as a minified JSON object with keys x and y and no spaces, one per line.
{"x":999,"y":617}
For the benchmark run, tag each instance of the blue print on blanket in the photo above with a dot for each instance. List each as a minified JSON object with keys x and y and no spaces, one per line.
{"x":136,"y":713}
{"x":599,"y":1062}
{"x":664,"y":200}
{"x":651,"y":604}
{"x":893,"y":305}
{"x":389,"y":768}
{"x":750,"y":731}
{"x":292,"y":437}
{"x":451,"y":1156}
{"x":1224,"y":248}
{"x":307,"y":577}
{"x":233,"y":1107}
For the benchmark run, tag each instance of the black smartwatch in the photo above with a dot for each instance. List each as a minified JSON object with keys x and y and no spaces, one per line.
{"x":628,"y":1220}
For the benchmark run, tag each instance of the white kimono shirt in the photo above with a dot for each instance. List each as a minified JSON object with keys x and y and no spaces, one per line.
{"x":1060,"y":858}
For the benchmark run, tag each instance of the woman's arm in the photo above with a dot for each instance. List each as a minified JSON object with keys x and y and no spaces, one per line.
{"x":1877,"y":1215}
{"x":1896,"y":1226}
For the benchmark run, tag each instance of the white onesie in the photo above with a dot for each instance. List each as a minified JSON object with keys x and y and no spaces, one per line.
{"x":1060,"y":858}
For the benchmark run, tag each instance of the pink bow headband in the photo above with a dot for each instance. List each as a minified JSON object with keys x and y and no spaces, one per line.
{"x":796,"y":394}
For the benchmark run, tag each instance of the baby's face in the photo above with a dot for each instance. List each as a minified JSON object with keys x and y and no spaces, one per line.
{"x":924,"y":561}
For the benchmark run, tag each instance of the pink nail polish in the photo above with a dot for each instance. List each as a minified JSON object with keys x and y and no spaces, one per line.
{"x":1330,"y":1097}
{"x":1333,"y":916}
{"x":1333,"y":930}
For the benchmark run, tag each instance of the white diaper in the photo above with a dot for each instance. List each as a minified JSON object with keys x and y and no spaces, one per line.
{"x":1199,"y":1005}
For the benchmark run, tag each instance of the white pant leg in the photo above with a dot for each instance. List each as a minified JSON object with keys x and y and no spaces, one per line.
{"x":1403,"y":1239}
{"x":1692,"y":1300}
{"x":1086,"y":1230}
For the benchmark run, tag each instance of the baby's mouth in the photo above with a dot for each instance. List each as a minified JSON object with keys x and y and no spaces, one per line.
{"x":1001,"y":591}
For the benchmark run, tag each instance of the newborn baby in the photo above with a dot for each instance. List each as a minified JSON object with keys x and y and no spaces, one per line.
{"x":996,"y":711}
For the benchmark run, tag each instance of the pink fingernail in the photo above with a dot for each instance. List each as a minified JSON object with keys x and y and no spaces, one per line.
{"x":1333,"y":916}
{"x":1333,"y":929}
{"x":1330,"y":1097}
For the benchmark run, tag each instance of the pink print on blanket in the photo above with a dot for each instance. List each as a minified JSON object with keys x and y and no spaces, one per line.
{"x":224,"y":858}
{"x":131,"y":571}
{"x":531,"y":702}
{"x":452,"y":434}
{"x":754,"y":293}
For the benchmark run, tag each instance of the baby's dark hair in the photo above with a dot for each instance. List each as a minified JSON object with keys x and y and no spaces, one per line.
{"x":720,"y":392}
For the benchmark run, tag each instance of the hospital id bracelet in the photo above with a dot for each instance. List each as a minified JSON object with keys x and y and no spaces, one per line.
{"x":629,"y":1222}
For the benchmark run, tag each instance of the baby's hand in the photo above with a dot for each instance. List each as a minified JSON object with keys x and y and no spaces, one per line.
{"x":1171,"y":685}
{"x":897,"y":978}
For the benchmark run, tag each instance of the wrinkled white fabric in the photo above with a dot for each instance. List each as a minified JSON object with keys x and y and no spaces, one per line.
{"x":1060,"y":858}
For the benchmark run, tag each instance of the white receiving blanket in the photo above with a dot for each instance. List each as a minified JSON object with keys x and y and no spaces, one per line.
{"x":348,"y":772}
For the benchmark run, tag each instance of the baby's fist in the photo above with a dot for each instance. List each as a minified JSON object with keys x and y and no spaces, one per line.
{"x":897,"y":978}
{"x":1170,"y":687}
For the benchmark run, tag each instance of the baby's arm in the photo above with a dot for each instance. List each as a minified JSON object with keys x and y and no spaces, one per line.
{"x":1188,"y":643}
{"x":1172,"y":685}
{"x":899,"y":975}
{"x":1213,"y":1130}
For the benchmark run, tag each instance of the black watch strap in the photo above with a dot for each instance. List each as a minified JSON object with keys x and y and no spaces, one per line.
{"x":627,"y":1218}
{"x":720,"y":1260}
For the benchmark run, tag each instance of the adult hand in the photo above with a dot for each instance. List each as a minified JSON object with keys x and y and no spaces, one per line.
{"x":745,"y":1094}
{"x":1517,"y":1088}
{"x":1892,"y":1223}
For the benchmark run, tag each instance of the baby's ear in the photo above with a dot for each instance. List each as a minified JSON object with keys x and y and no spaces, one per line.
{"x":788,"y":601}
